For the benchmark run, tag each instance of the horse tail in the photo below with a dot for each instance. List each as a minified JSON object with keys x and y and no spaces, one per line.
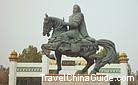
{"x":109,"y":46}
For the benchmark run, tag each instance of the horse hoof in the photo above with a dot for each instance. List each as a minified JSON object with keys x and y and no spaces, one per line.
{"x":80,"y":72}
{"x":57,"y":72}
{"x":52,"y":57}
{"x":93,"y":72}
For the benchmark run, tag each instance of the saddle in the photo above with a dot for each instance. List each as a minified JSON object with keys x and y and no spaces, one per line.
{"x":76,"y":46}
{"x":73,"y":45}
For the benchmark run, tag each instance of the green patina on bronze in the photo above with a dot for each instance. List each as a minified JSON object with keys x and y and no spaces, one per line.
{"x":72,"y":39}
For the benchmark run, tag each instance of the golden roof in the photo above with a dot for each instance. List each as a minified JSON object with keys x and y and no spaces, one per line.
{"x":13,"y":55}
{"x":13,"y":52}
{"x":122,"y":54}
{"x":123,"y":57}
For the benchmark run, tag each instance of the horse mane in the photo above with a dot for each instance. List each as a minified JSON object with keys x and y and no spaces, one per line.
{"x":56,"y":21}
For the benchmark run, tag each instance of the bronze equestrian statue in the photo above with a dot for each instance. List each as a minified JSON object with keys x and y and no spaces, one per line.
{"x":71,"y":39}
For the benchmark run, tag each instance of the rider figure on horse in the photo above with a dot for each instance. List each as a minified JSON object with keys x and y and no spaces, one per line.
{"x":76,"y":34}
{"x":77,"y":27}
{"x":75,"y":42}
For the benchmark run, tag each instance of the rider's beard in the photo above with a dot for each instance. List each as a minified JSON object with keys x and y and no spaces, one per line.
{"x":75,"y":11}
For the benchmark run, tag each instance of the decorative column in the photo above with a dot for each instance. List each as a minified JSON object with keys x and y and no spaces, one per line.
{"x":124,"y":67}
{"x":45,"y":68}
{"x":12,"y":71}
{"x":45,"y":65}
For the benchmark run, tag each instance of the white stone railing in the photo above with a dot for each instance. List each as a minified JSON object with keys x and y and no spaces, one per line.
{"x":27,"y":69}
{"x":37,"y":69}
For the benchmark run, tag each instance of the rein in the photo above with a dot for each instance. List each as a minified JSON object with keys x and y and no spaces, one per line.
{"x":58,"y":24}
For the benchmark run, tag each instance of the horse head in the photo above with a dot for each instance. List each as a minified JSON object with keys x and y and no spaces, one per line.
{"x":47,"y":25}
{"x":55,"y":23}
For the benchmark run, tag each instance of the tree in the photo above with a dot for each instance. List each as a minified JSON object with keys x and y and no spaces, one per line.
{"x":30,"y":54}
{"x":137,"y":75}
{"x":102,"y":53}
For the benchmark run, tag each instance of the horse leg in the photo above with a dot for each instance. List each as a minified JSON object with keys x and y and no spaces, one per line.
{"x":44,"y":49}
{"x":58,"y":58}
{"x":97,"y":66}
{"x":47,"y":52}
{"x":90,"y":62}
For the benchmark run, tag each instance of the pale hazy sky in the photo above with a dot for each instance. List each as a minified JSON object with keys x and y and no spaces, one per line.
{"x":21,"y":23}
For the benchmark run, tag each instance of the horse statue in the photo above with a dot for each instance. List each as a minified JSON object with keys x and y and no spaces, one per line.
{"x":83,"y":48}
